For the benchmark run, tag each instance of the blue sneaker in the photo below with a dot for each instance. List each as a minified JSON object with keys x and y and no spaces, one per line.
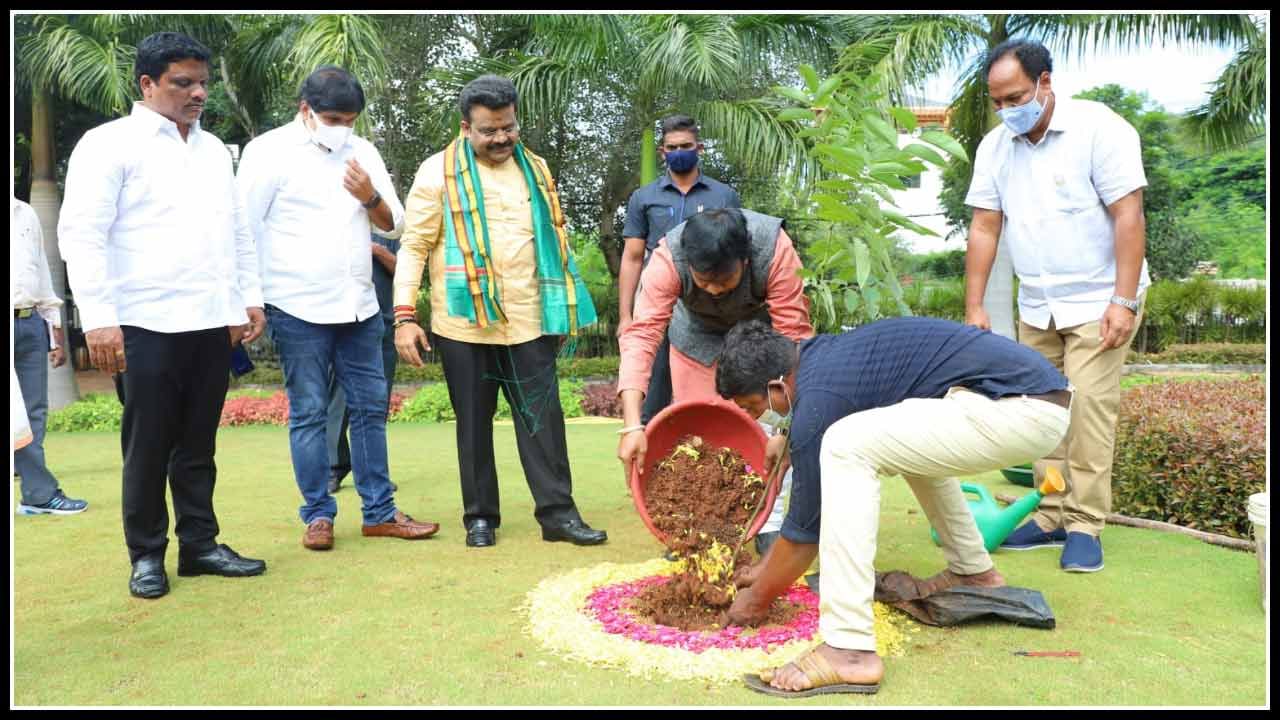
{"x":1030,"y":537}
{"x":1083,"y":553}
{"x":59,"y":504}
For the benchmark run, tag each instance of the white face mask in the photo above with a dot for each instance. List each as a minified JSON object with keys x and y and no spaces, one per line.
{"x":330,"y":137}
{"x":772,"y":417}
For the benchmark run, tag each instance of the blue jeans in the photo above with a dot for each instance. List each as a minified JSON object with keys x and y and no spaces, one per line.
{"x":31,"y":361}
{"x":309,"y":352}
{"x":336,"y":428}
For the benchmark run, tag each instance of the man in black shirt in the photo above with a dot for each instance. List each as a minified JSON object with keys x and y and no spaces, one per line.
{"x":923,"y":398}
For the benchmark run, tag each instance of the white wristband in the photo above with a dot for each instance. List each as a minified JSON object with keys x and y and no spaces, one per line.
{"x":631,"y":429}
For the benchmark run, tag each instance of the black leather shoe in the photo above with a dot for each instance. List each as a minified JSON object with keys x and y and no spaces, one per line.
{"x":221,"y":560}
{"x":148,"y":579}
{"x":480,"y":534}
{"x":574,"y":531}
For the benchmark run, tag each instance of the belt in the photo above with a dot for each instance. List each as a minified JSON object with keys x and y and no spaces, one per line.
{"x":1061,"y":398}
{"x":23,"y":312}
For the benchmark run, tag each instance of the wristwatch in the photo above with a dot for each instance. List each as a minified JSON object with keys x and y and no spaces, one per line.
{"x":373,"y":201}
{"x":1125,"y":302}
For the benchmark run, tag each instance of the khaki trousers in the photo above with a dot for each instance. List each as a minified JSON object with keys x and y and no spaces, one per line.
{"x":928,"y":443}
{"x":1085,"y":456}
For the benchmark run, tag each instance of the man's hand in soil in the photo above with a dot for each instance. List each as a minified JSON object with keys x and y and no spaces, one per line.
{"x":747,"y":575}
{"x":747,"y":610}
{"x":785,"y":562}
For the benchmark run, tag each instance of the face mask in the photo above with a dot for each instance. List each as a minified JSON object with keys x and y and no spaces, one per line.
{"x":682,"y":161}
{"x":330,"y":137}
{"x":1022,"y":118}
{"x":772,"y":417}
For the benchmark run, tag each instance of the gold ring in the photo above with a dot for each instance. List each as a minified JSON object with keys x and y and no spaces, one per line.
{"x":119,"y":353}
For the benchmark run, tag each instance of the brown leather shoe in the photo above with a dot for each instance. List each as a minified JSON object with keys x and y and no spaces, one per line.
{"x":319,"y":535}
{"x":401,"y":526}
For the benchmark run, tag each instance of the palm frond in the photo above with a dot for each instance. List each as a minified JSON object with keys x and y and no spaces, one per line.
{"x":349,"y":41}
{"x":257,"y":58}
{"x":586,"y":41}
{"x":1236,"y":111}
{"x":690,"y":49}
{"x":87,"y":70}
{"x":768,"y":39}
{"x":751,"y":136}
{"x":971,"y":112}
{"x":904,"y":51}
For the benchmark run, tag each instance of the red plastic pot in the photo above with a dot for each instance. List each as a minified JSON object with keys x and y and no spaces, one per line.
{"x":724,"y":425}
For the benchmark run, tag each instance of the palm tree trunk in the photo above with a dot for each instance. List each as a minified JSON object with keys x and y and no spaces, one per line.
{"x":45,"y":201}
{"x":998,"y":299}
{"x":648,"y":157}
{"x":237,"y":110}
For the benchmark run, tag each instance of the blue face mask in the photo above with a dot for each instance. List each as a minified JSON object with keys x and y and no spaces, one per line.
{"x":1022,"y":118}
{"x":682,"y":161}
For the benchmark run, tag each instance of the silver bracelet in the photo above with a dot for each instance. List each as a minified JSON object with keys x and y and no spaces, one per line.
{"x":631,"y":429}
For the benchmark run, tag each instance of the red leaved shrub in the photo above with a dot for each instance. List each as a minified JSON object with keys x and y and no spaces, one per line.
{"x":272,"y":410}
{"x":397,"y":400}
{"x":601,"y":399}
{"x":1191,"y":453}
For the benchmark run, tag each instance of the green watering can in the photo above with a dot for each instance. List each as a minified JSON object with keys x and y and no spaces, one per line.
{"x":996,"y":523}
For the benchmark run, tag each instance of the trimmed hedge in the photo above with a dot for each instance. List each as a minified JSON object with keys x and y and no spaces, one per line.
{"x":1201,"y":311}
{"x":571,"y":368}
{"x":1191,"y":453}
{"x":1206,"y":354}
{"x":98,"y":411}
{"x":406,"y":374}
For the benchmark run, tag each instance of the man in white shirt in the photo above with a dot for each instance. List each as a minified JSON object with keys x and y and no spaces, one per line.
{"x":37,"y":343}
{"x":313,"y":191}
{"x":1061,"y":182}
{"x":165,"y":277}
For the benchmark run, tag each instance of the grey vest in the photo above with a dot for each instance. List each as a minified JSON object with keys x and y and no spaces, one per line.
{"x":700,"y":322}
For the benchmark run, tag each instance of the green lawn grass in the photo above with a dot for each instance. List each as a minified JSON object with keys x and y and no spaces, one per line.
{"x":1170,"y":621}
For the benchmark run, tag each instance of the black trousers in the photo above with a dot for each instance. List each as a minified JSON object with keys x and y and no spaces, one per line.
{"x":172,"y":392}
{"x":474,"y":372}
{"x":659,"y":394}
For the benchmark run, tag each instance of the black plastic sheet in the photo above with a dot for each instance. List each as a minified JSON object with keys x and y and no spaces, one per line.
{"x":956,"y":605}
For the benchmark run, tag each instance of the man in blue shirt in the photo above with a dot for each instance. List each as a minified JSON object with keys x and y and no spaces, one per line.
{"x":923,"y":398}
{"x":682,"y":192}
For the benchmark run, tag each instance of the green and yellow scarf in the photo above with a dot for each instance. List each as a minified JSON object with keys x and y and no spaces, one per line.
{"x":566,"y":304}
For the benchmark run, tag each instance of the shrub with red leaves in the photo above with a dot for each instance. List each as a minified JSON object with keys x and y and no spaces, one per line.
{"x":1191,"y":453}
{"x":272,"y":410}
{"x":397,"y":399}
{"x":601,"y":399}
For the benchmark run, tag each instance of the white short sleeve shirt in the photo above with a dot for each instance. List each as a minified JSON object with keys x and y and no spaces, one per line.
{"x":1054,"y":197}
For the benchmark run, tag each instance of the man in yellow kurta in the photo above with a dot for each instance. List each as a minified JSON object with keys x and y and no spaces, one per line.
{"x":484,"y":218}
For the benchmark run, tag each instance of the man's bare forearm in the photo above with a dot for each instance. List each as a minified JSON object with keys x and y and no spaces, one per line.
{"x":984,"y":238}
